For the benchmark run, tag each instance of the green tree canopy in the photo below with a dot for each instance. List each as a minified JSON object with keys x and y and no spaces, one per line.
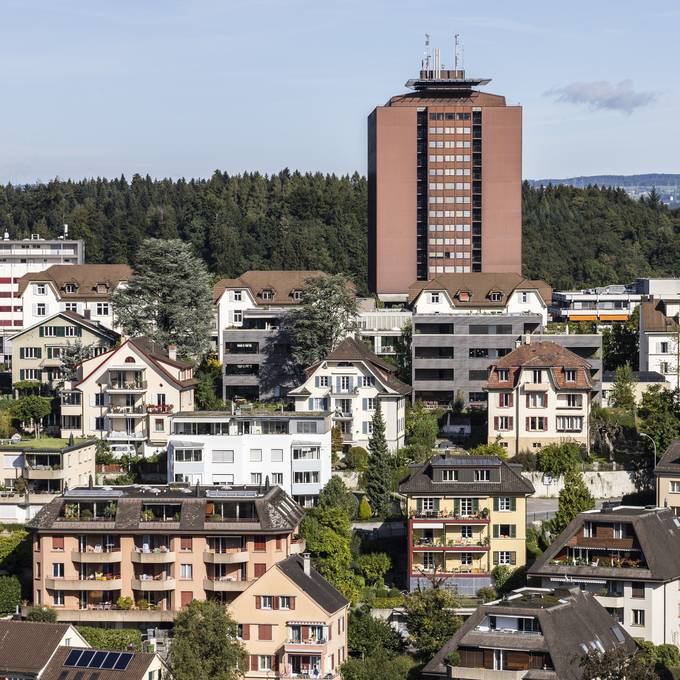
{"x":168,"y":298}
{"x":378,"y":477}
{"x":32,"y":409}
{"x":374,"y":566}
{"x":659,"y":416}
{"x":616,"y":664}
{"x":10,"y":594}
{"x":574,"y":498}
{"x":336,"y":495}
{"x":558,"y":459}
{"x":367,"y":635}
{"x":430,"y":619}
{"x":623,"y":392}
{"x":421,"y":427}
{"x":620,"y":343}
{"x":205,"y":645}
{"x":118,"y":639}
{"x":380,"y":665}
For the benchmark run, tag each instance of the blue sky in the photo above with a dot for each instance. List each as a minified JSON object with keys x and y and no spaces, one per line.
{"x":170,"y":88}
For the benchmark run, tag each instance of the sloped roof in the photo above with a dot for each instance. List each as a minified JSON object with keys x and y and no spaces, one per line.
{"x":479,"y":285}
{"x":473,"y":98}
{"x":26,"y":646}
{"x":548,"y":355}
{"x":282,"y":283}
{"x":655,"y":529}
{"x":85,"y":276}
{"x":314,"y":585}
{"x":96,"y":328}
{"x":670,"y":461}
{"x":421,"y":478}
{"x":653,"y":317}
{"x":575,"y":619}
{"x":136,"y":669}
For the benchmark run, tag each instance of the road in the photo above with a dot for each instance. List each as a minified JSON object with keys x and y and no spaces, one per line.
{"x":539,"y":509}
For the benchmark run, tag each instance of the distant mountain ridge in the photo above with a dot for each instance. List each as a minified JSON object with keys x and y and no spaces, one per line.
{"x":653,"y":179}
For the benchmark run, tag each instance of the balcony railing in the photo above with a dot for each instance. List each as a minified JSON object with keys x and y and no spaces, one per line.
{"x":599,"y":562}
{"x":451,"y":543}
{"x":127,"y":385}
{"x":159,"y":408}
{"x":444,"y":514}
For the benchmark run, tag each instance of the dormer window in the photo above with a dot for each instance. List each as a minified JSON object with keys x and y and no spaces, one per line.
{"x":41,"y":289}
{"x":434,"y":298}
{"x":570,"y":374}
{"x":495,"y":296}
{"x":70,"y":288}
{"x":267,"y":294}
{"x":237,"y":296}
{"x":297,"y":295}
{"x":464,"y":296}
{"x":482,"y":475}
{"x":503,"y":374}
{"x":449,"y":475}
{"x":537,"y":376}
{"x":102,"y":288}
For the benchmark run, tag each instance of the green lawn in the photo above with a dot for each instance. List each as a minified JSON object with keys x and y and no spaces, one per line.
{"x":42,"y":443}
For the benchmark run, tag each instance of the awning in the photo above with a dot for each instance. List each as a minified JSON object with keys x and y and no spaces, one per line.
{"x":428,"y":525}
{"x":582,"y":317}
{"x":576,"y":579}
{"x":305,"y":623}
{"x":614,"y":317}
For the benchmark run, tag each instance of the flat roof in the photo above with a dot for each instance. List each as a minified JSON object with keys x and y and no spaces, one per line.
{"x":255,"y":413}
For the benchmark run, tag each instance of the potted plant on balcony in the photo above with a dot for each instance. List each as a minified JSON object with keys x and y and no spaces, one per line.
{"x":110,"y":510}
{"x":124,"y":603}
{"x":86,"y":514}
{"x":71,"y":511}
{"x":147,"y":515}
{"x":142,"y":604}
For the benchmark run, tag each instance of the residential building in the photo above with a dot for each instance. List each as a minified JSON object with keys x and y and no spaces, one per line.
{"x":540,"y":393}
{"x":20,"y":256}
{"x":350,"y":382}
{"x":467,"y":514}
{"x":643,"y":380}
{"x":254,"y":349}
{"x":291,"y":450}
{"x":382,"y":328}
{"x":28,"y":647}
{"x":85,"y":289}
{"x":37,"y":350}
{"x":604,"y":304}
{"x":292,"y":622}
{"x":444,"y":182}
{"x":667,"y":478}
{"x":660,"y":338}
{"x":166,"y":545}
{"x":531,"y":633}
{"x":75,"y":663}
{"x":128,"y":394}
{"x":629,"y":558}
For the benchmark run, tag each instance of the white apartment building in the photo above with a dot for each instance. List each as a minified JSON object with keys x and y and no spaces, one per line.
{"x":350,"y":382}
{"x":290,"y":450}
{"x":21,"y":256}
{"x":480,"y":293}
{"x":539,"y":394}
{"x":660,"y":338}
{"x":604,"y":304}
{"x":85,"y":289}
{"x":381,"y":328}
{"x":128,"y":395}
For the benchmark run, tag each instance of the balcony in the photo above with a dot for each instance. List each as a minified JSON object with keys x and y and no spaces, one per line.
{"x":152,"y":557}
{"x":159,"y":409}
{"x":461,"y":672}
{"x":241,"y":379}
{"x":126,"y":386}
{"x":125,"y":411}
{"x":233,"y":557}
{"x":111,"y":615}
{"x":44,"y":472}
{"x":153,"y":584}
{"x":481,"y":517}
{"x":305,"y":646}
{"x":225,"y":585}
{"x":467,"y":544}
{"x":100,"y":583}
{"x":118,"y":435}
{"x":298,"y":546}
{"x":97,"y":557}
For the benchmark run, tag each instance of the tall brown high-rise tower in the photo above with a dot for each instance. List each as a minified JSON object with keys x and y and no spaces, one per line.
{"x":444,"y":181}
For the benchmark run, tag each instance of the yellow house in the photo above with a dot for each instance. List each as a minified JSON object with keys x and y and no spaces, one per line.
{"x":292,"y":622}
{"x":467,"y":514}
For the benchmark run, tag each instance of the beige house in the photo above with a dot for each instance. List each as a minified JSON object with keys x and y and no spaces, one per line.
{"x":667,"y":473}
{"x":128,"y":395}
{"x":292,"y":622}
{"x":37,"y":350}
{"x":539,"y":394}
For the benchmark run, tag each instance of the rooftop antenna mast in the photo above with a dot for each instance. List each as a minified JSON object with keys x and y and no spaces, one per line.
{"x":457,"y":52}
{"x":426,"y":60}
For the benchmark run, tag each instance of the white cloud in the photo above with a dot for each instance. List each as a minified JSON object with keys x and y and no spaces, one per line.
{"x":601,"y":94}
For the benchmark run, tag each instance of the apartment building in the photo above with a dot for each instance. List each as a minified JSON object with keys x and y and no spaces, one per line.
{"x":293,"y":623}
{"x":540,"y":393}
{"x":467,"y":514}
{"x":37,"y":350}
{"x":252,"y":346}
{"x":444,"y":181}
{"x":604,"y":304}
{"x":629,"y":559}
{"x":290,"y":450}
{"x":350,"y":382}
{"x":382,"y":328}
{"x":660,"y":338}
{"x":667,"y":478}
{"x":47,"y":471}
{"x":161,"y":546}
{"x":128,"y":394}
{"x":84,"y":288}
{"x":20,"y":256}
{"x":531,"y":633}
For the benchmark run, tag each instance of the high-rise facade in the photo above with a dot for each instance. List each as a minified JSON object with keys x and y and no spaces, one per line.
{"x":445,"y":182}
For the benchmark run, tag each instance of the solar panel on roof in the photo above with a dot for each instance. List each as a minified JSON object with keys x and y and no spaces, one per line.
{"x":85,"y":658}
{"x":93,"y":492}
{"x":224,"y":493}
{"x":618,"y":634}
{"x":110,"y":660}
{"x":97,"y":659}
{"x":123,"y":662}
{"x":73,"y":657}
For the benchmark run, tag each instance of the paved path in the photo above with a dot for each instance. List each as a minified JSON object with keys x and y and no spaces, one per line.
{"x":540,"y":509}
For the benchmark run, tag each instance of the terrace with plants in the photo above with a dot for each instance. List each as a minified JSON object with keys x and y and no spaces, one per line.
{"x":88,"y":511}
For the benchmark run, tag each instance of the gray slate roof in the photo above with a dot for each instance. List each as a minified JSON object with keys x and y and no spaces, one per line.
{"x":314,"y":585}
{"x":136,"y":669}
{"x":657,"y":531}
{"x":670,"y":461}
{"x":26,"y":646}
{"x":577,"y":619}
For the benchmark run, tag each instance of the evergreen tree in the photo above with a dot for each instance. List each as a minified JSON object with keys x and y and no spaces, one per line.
{"x":168,"y":298}
{"x":623,"y":392}
{"x":574,"y":498}
{"x":379,"y":474}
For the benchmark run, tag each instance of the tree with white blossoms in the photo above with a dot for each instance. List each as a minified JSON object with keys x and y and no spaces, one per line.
{"x":168,"y":298}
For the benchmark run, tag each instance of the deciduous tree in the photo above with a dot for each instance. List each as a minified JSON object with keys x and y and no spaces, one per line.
{"x":430,"y":619}
{"x":616,"y":664}
{"x":32,"y":409}
{"x":574,"y":498}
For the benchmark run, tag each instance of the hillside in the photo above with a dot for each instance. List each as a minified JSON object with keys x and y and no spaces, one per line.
{"x":314,"y":221}
{"x":650,"y":180}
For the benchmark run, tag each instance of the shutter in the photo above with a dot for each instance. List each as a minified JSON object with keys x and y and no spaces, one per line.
{"x":511,"y":422}
{"x":316,"y":381}
{"x":419,"y":504}
{"x":513,"y":557}
{"x":513,"y":531}
{"x":275,"y":663}
{"x":496,"y":529}
{"x":245,"y":631}
{"x":330,"y":631}
{"x":253,"y":662}
{"x":292,"y":602}
{"x":41,"y":331}
{"x":495,"y":557}
{"x":456,"y":506}
{"x":512,"y":399}
{"x":528,"y":401}
{"x":495,"y":422}
{"x":310,"y":404}
{"x":436,"y":504}
{"x":275,"y":602}
{"x":475,"y":505}
{"x":513,"y":504}
{"x":364,"y":428}
{"x":364,"y":404}
{"x":21,"y":353}
{"x":21,"y":374}
{"x":79,"y":331}
{"x":61,"y":331}
{"x":38,"y":352}
{"x":351,"y":383}
{"x":337,"y":384}
{"x":258,"y":602}
{"x":495,"y":504}
{"x":500,"y":399}
{"x":527,"y":423}
{"x":305,"y":632}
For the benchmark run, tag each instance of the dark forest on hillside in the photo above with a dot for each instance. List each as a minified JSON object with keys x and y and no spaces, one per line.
{"x":291,"y":220}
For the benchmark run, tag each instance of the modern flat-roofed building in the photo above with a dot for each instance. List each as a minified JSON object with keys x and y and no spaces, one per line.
{"x":540,"y":633}
{"x":604,"y":305}
{"x":290,"y":450}
{"x":163,"y":545}
{"x":629,"y":558}
{"x":444,"y":182}
{"x":467,"y":514}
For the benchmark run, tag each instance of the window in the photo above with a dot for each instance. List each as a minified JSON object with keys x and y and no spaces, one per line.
{"x":663,"y":348}
{"x":524,"y":297}
{"x":256,"y":478}
{"x":58,"y":570}
{"x":70,"y":288}
{"x":505,"y":400}
{"x":496,"y":297}
{"x":638,"y":617}
{"x":504,"y":531}
{"x":466,"y":558}
{"x":58,"y":543}
{"x":306,"y":453}
{"x":537,"y":376}
{"x":238,"y":295}
{"x":504,"y":557}
{"x":637,"y":590}
{"x":503,"y":374}
{"x":569,"y":423}
{"x":267,"y":294}
{"x":185,"y":544}
{"x":449,"y":475}
{"x":99,"y":423}
{"x":255,"y":455}
{"x":345,"y":383}
{"x":621,"y":530}
{"x":466,"y":532}
{"x":675,"y":487}
{"x":41,"y":309}
{"x":369,"y":404}
{"x":188,"y":455}
{"x":297,"y":295}
{"x":159,"y":425}
{"x":466,"y":506}
{"x":537,"y":424}
{"x":264,"y":662}
{"x":504,"y":423}
{"x":41,"y":289}
{"x":324,"y":381}
{"x":482,"y":475}
{"x":306,"y":478}
{"x":427,"y":504}
{"x":103,"y":309}
{"x":277,"y":455}
{"x":434,"y":298}
{"x":367,"y":380}
{"x":537,"y":399}
{"x":58,"y":598}
{"x":306,"y":427}
{"x":284,"y":602}
{"x":505,"y":504}
{"x":238,"y":316}
{"x":71,"y":307}
{"x":277,"y":478}
{"x":367,"y":427}
{"x":574,"y":400}
{"x":570,"y":374}
{"x":186,"y":571}
{"x":588,"y":530}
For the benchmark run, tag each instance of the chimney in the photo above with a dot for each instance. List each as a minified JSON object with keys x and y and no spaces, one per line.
{"x":172,"y":352}
{"x":306,"y":564}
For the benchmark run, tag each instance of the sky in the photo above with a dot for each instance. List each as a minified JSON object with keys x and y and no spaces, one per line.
{"x":180,"y":88}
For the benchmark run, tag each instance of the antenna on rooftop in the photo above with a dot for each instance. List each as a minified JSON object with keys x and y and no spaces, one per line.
{"x":457,"y":52}
{"x":426,"y":60}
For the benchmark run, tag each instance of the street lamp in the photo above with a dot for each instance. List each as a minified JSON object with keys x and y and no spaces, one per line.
{"x":651,"y":439}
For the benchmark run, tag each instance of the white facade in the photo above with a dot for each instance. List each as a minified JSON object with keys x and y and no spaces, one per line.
{"x":660,"y":352}
{"x":604,"y":304}
{"x":382,"y":327}
{"x":291,"y":450}
{"x":229,"y":310}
